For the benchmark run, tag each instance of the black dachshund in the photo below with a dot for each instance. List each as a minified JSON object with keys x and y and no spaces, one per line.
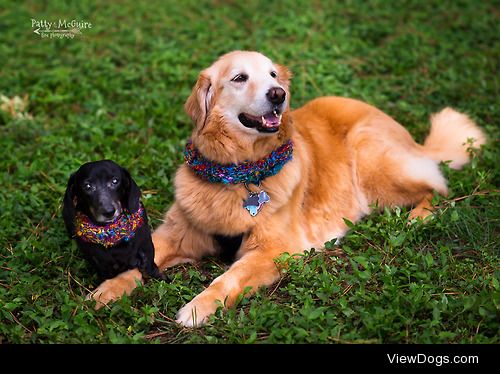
{"x":103,"y":212}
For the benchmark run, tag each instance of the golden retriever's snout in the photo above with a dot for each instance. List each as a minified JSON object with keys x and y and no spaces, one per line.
{"x":268,"y":122}
{"x":276,"y":95}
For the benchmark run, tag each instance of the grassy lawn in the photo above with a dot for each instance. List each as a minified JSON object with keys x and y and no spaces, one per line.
{"x":117,"y":90}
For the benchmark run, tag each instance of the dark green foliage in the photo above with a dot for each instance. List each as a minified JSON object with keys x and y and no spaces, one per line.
{"x":117,"y":91}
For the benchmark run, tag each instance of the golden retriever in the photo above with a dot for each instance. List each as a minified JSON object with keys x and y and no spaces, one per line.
{"x":347,"y":157}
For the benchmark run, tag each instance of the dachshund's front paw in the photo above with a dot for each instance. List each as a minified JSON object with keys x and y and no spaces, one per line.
{"x":115,"y":288}
{"x":105,"y":293}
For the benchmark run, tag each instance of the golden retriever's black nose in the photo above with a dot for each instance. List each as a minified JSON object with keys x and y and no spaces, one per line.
{"x":276,"y":95}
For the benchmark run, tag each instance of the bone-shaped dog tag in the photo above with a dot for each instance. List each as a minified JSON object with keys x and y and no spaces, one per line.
{"x":255,"y":201}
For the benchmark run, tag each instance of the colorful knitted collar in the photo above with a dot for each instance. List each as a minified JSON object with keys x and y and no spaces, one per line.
{"x":122,"y":228}
{"x":246,"y":172}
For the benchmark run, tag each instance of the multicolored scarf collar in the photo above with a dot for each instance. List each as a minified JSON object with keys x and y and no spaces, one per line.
{"x":246,"y":172}
{"x":122,"y":228}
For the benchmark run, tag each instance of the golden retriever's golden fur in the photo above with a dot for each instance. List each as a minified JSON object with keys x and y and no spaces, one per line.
{"x":347,"y":156}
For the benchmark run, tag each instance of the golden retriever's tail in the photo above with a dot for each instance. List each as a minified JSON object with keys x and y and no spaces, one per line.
{"x":452,"y":134}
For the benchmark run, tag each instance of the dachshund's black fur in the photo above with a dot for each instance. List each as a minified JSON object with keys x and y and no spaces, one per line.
{"x":101,"y":190}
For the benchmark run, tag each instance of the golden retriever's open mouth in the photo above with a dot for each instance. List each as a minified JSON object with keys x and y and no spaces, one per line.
{"x":269,"y":122}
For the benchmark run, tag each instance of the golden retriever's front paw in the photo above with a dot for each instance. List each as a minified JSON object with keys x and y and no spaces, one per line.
{"x":196,"y":312}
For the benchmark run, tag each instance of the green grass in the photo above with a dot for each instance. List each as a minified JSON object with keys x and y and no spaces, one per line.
{"x":117,"y":91}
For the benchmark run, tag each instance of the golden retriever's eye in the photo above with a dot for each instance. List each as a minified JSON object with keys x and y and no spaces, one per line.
{"x":240,"y":78}
{"x":273,"y":74}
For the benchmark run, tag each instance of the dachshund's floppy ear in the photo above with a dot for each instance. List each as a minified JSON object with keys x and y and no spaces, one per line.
{"x":199,"y":102}
{"x":132,"y":194}
{"x":69,"y":205}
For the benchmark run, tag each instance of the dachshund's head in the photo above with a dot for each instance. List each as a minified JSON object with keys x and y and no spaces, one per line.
{"x":101,"y":190}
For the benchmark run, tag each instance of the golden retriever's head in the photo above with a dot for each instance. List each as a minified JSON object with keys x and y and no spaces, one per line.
{"x":243,"y":93}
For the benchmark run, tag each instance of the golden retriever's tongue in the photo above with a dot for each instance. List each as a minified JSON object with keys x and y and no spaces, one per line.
{"x":271,"y":120}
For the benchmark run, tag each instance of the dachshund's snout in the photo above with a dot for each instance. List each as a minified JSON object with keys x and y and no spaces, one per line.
{"x":109,"y":212}
{"x":105,"y":209}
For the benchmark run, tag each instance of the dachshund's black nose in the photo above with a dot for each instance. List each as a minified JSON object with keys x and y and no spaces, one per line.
{"x":276,"y":95}
{"x":109,"y":213}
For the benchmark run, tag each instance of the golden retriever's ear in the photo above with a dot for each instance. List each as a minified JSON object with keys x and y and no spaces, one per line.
{"x":198,"y":103}
{"x":284,"y":75}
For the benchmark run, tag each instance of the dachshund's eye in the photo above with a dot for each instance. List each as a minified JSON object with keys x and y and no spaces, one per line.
{"x":87,"y":187}
{"x":273,"y":74}
{"x":240,"y":78}
{"x":114,"y":181}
